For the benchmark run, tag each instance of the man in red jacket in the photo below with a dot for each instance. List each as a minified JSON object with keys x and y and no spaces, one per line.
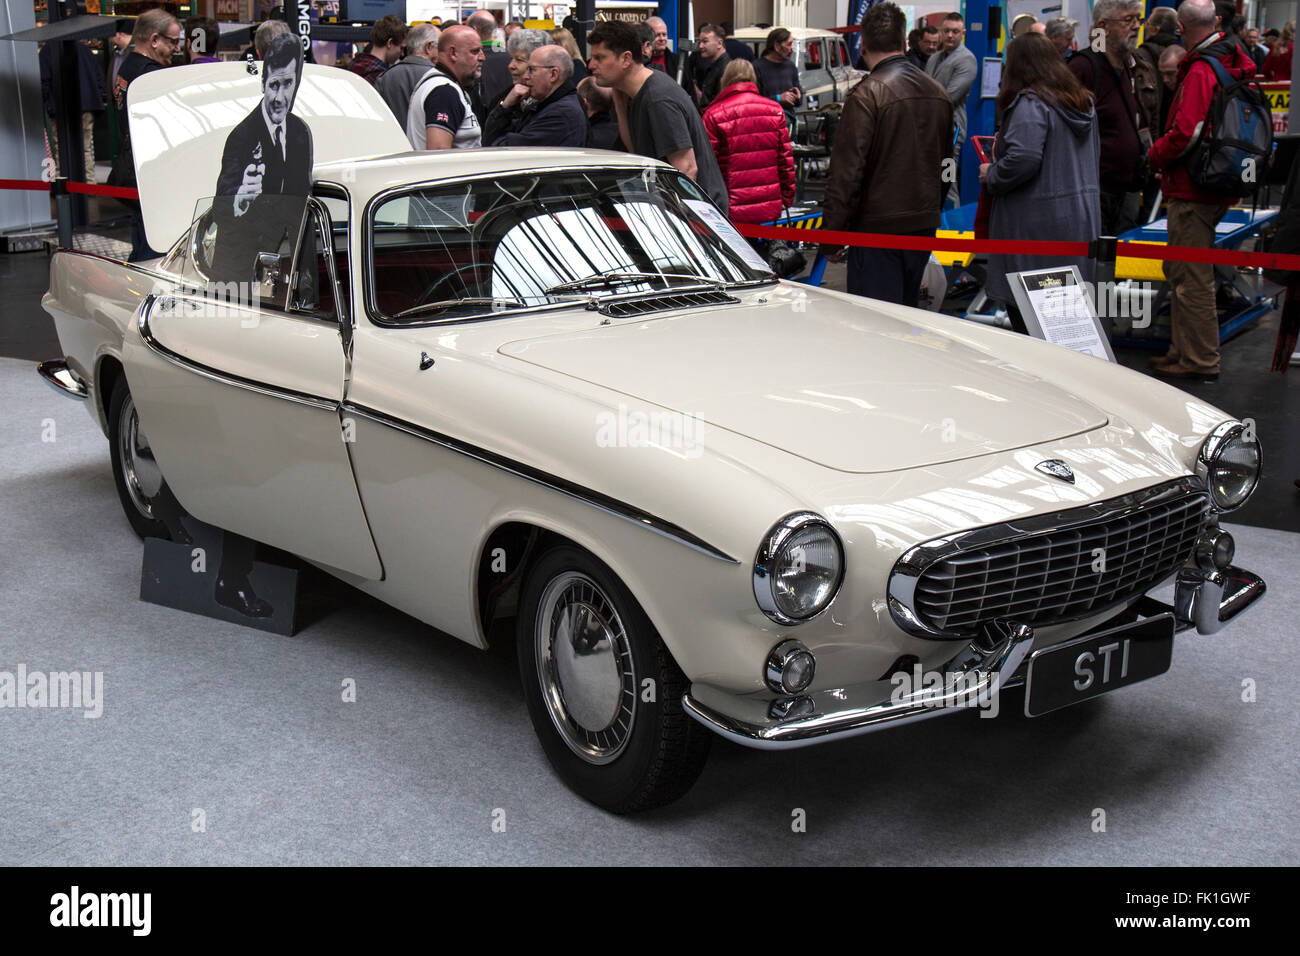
{"x":1193,"y":211}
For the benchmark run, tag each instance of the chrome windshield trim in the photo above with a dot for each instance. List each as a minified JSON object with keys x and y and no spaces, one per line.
{"x":368,"y":228}
{"x":225,"y":378}
{"x":603,"y":502}
{"x":914,"y":561}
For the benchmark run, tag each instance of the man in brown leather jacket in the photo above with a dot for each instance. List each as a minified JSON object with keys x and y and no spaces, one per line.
{"x":892,"y":161}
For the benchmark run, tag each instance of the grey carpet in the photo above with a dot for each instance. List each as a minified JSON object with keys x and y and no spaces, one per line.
{"x":250,"y":728}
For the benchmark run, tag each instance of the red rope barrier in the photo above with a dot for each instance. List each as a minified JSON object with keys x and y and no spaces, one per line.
{"x":118,"y":192}
{"x":89,"y":189}
{"x":877,"y":240}
{"x":1025,"y":247}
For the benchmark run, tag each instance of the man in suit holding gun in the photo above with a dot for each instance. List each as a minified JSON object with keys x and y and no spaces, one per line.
{"x":265,"y":170}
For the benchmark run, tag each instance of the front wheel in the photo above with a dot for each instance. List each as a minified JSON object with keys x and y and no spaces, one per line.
{"x":604,"y":694}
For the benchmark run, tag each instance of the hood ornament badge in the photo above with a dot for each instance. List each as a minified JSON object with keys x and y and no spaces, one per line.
{"x":1056,"y":468}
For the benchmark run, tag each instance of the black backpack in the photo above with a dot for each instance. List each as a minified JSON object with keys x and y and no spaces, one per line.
{"x":1237,"y":140}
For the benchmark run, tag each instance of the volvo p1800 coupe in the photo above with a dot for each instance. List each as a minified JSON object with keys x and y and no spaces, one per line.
{"x":555,"y":388}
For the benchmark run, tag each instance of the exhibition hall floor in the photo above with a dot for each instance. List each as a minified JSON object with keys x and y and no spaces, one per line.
{"x":217,"y":744}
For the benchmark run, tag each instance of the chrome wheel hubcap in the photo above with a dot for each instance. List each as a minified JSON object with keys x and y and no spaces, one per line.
{"x":141,"y":473}
{"x":584,"y":664}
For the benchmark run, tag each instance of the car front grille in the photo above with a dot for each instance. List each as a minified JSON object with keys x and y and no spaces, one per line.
{"x":1050,"y":568}
{"x":663,"y":303}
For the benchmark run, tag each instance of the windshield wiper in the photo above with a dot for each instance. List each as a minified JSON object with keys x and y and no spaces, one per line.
{"x":449,"y":303}
{"x":610,"y":278}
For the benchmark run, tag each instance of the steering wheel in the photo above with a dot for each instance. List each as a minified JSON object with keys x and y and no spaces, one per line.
{"x":431,"y":293}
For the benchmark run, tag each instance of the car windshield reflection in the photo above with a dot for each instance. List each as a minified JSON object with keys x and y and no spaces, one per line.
{"x":496,"y":246}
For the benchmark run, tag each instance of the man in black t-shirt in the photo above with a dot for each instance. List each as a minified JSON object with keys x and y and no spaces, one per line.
{"x":157,"y":39}
{"x":655,"y":116}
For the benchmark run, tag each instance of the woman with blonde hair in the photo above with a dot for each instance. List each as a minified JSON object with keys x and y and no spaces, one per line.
{"x":564,"y":38}
{"x":752,"y":143}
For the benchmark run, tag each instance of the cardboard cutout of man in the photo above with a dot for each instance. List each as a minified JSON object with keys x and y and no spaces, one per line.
{"x":261,"y":198}
{"x":270,"y":151}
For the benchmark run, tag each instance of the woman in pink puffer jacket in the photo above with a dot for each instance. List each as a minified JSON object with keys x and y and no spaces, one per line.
{"x":752,"y":142}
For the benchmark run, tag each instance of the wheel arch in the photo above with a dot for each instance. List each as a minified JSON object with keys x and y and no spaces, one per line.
{"x":108,"y":371}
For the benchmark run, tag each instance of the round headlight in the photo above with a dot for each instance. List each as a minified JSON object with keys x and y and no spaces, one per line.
{"x":1229,"y":465}
{"x":799,"y":568}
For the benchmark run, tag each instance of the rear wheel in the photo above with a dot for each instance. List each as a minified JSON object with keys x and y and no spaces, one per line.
{"x":604,"y":694}
{"x":140,"y":483}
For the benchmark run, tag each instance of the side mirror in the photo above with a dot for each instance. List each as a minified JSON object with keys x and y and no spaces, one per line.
{"x":268,"y":274}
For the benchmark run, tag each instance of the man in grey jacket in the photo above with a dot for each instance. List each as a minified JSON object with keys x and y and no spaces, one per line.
{"x":954,"y":68}
{"x":396,"y":84}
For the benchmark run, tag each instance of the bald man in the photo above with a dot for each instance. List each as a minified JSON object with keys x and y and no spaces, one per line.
{"x":441,"y":115}
{"x":554,"y":116}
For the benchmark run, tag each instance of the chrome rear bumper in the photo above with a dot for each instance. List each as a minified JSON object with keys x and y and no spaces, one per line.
{"x":1205,"y":600}
{"x":62,"y":379}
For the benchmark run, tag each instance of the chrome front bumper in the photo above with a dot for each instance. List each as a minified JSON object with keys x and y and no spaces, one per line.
{"x":1205,"y":600}
{"x":62,"y":379}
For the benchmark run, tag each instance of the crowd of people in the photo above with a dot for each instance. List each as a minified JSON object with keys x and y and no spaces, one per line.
{"x":1087,"y":137}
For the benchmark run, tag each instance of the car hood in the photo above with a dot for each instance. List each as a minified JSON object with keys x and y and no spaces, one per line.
{"x":847,"y":386}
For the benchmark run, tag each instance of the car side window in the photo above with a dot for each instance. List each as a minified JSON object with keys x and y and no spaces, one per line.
{"x":245,"y":259}
{"x":815,"y":58}
{"x":336,"y":206}
{"x":313,"y":278}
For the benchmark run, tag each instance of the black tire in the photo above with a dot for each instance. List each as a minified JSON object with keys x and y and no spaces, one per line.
{"x":662,"y":752}
{"x":141,"y":503}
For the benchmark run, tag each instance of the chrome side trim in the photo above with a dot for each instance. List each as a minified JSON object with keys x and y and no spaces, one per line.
{"x":975,"y":673}
{"x":63,"y":380}
{"x":619,"y":509}
{"x":908,"y":568}
{"x":225,"y":378}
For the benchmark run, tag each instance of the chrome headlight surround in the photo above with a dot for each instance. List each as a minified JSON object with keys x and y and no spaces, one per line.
{"x":1222,"y":451}
{"x":794,"y":530}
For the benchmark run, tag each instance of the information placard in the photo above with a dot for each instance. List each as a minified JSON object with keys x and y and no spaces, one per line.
{"x":1057,"y":307}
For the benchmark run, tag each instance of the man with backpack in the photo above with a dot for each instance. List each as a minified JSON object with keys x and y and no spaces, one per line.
{"x":1203,"y":169}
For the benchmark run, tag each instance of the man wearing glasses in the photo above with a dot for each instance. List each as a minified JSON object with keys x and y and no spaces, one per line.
{"x":954,"y":68}
{"x":1105,"y":67}
{"x":157,"y":40}
{"x":544,"y":109}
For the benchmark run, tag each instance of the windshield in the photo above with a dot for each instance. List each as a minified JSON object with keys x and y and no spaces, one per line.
{"x":485,"y":246}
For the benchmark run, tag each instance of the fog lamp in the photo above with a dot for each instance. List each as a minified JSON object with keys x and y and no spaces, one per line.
{"x":790,"y":668}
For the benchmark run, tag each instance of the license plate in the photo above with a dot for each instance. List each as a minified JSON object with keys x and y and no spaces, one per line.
{"x":1098,"y":663}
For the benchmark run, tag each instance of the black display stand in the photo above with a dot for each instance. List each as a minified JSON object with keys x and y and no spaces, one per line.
{"x":185,"y":577}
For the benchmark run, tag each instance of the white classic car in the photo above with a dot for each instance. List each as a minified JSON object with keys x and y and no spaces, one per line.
{"x":551,"y":391}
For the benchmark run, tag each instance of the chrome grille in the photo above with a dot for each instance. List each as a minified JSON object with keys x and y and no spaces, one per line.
{"x":1080,"y":563}
{"x":662,"y":303}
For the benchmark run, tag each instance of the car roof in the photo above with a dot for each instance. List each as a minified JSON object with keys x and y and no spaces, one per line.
{"x":364,"y":178}
{"x":799,"y":33}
